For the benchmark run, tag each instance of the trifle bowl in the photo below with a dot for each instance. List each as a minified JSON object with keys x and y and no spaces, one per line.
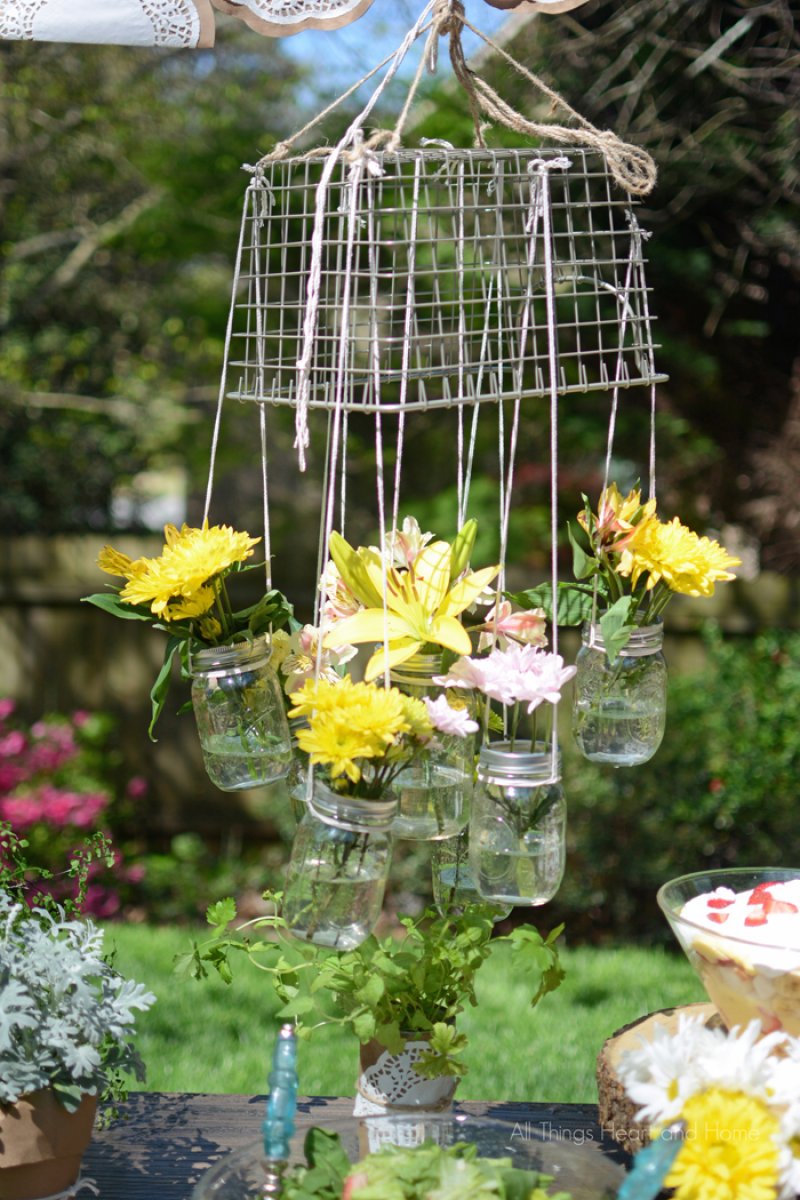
{"x":740,"y":930}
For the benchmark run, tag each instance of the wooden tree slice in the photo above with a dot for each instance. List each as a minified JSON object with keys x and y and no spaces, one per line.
{"x":617,"y":1111}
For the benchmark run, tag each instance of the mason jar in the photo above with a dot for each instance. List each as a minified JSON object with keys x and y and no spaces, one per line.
{"x":434,"y":791}
{"x":620,"y":707}
{"x":338,"y":868}
{"x":297,"y":775}
{"x":453,"y":883}
{"x":517,"y":831}
{"x":240,"y":715}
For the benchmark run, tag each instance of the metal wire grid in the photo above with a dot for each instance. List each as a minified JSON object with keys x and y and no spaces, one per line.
{"x":441,"y":273}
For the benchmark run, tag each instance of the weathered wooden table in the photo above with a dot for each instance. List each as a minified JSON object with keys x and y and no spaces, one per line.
{"x":168,"y":1140}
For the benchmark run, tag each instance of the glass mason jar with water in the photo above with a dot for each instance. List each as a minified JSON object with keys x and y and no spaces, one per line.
{"x":240,"y":715}
{"x":517,"y":831}
{"x":620,"y":706}
{"x":434,"y":791}
{"x":453,"y":883}
{"x":338,"y":868}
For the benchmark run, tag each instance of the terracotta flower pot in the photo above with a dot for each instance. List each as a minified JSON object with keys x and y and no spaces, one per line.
{"x":41,"y":1145}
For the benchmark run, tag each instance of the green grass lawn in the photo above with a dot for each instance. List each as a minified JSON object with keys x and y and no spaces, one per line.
{"x":211,"y":1037}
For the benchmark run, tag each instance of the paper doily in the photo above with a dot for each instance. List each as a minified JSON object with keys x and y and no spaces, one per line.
{"x":278,"y":18}
{"x":183,"y":23}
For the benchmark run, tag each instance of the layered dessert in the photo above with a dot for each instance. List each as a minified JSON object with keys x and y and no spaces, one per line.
{"x":746,"y":948}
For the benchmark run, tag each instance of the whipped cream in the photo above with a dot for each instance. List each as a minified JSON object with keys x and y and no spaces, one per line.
{"x":766,"y":917}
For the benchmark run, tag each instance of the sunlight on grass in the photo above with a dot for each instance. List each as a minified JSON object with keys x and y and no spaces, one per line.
{"x":211,"y":1037}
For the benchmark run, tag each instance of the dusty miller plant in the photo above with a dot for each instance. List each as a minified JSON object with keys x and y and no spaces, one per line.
{"x":66,"y":1014}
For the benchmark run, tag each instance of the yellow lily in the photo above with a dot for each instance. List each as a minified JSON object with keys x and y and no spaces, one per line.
{"x":422,"y":604}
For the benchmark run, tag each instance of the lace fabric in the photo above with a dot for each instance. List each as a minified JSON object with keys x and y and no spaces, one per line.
{"x":178,"y":23}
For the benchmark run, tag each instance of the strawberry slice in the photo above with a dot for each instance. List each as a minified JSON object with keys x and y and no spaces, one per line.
{"x":719,"y":903}
{"x":779,"y":906}
{"x":759,"y":918}
{"x":719,"y":918}
{"x":762,"y":892}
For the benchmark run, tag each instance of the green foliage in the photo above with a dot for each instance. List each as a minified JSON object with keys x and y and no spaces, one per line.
{"x":384,"y":988}
{"x":119,"y":227}
{"x":720,"y":792}
{"x":398,"y":1173}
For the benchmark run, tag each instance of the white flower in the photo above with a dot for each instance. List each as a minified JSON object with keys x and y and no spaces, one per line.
{"x":403,"y":547}
{"x":666,"y":1071}
{"x":447,"y":719}
{"x":304,"y":660}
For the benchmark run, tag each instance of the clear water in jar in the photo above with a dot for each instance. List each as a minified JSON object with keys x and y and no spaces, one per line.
{"x":620,"y":731}
{"x":433,"y":802}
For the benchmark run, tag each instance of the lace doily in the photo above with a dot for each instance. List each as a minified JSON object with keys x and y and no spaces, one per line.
{"x":392,"y":1083}
{"x":183,"y":23}
{"x":277,"y":18}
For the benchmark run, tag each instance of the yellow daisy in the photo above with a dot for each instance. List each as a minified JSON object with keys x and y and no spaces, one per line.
{"x":688,"y":564}
{"x":731,"y":1149}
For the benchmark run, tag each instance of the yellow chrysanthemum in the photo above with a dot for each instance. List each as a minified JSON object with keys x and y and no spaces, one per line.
{"x":416,"y":717}
{"x":688,"y":564}
{"x":348,"y":721}
{"x":731,"y":1149}
{"x":114,"y":562}
{"x":187,"y":607}
{"x":190,"y":560}
{"x":331,"y":741}
{"x":320,"y":695}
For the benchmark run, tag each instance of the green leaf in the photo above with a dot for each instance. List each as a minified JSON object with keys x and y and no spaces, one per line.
{"x":158,"y":692}
{"x":574,"y":601}
{"x":298,"y":1006}
{"x":353,"y":571}
{"x":372,"y":991}
{"x":364,"y":1026}
{"x":584,"y":565}
{"x":616,"y":626}
{"x":111,"y":603}
{"x":221,"y":913}
{"x":462,"y":547}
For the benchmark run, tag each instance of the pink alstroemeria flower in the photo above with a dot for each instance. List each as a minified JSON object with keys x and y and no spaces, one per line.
{"x":502,"y":625}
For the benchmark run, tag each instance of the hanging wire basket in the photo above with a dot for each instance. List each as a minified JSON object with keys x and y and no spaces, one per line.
{"x":430,"y":287}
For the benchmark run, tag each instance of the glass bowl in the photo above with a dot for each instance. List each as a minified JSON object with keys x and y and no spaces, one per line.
{"x":572,"y":1157}
{"x":746,"y":976}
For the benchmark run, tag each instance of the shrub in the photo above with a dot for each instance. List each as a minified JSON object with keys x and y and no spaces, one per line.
{"x":57,"y":784}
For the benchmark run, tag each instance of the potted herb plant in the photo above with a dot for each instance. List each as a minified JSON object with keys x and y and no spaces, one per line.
{"x":399,"y":995}
{"x":66,"y":1032}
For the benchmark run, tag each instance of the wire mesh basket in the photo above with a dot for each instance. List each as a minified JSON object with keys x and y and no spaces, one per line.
{"x":430,"y":281}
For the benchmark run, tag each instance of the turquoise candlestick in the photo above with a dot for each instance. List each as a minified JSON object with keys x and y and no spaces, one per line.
{"x":279,"y":1123}
{"x":652,"y":1165}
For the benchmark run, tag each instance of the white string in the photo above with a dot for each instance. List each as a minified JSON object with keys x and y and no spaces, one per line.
{"x":252,"y":191}
{"x":544,"y":168}
{"x":362,"y":154}
{"x":334,"y":439}
{"x":265,"y":497}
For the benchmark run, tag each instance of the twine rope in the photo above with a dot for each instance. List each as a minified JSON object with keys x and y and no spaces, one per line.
{"x":632,"y":167}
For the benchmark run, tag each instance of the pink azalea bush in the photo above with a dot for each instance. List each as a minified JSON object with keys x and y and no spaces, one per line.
{"x":55,"y":789}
